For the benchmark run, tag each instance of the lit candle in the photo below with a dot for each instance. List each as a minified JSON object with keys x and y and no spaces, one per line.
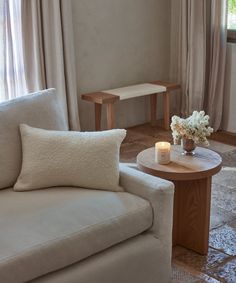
{"x":162,"y":152}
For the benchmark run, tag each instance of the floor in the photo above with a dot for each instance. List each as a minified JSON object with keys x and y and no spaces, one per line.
{"x":220,"y":263}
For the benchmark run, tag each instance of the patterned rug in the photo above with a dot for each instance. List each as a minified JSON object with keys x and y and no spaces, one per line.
{"x":180,"y":275}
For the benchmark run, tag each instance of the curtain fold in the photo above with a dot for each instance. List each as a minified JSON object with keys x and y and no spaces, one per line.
{"x":49,"y":55}
{"x":198,"y":48}
{"x":12,"y":75}
{"x":217,"y":60}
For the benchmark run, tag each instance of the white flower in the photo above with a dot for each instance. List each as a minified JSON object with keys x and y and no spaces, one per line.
{"x":195,"y":127}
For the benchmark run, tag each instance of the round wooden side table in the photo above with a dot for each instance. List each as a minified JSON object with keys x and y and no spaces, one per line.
{"x":191,"y":176}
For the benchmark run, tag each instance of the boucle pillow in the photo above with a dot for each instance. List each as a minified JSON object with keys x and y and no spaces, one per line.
{"x":63,"y":158}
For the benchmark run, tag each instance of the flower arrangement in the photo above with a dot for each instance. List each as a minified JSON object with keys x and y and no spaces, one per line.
{"x":196,"y":127}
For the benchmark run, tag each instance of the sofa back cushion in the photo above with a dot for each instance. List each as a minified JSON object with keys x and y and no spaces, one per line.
{"x":40,"y":109}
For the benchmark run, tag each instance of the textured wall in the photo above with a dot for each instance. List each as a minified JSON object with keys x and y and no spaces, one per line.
{"x":118,"y":43}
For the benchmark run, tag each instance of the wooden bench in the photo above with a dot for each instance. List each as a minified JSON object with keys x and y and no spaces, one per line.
{"x":109,"y":97}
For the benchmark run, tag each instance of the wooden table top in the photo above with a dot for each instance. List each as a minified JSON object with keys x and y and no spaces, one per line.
{"x":205,"y":163}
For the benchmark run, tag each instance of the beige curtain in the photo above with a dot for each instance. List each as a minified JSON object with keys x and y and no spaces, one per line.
{"x":214,"y":95}
{"x":12,"y":76}
{"x":188,"y":49}
{"x":49,"y":51}
{"x":198,"y":47}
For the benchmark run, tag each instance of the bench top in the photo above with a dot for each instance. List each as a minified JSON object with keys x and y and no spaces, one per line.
{"x":136,"y":90}
{"x":122,"y":93}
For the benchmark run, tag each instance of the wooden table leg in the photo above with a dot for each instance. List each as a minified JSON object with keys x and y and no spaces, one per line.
{"x":153,"y":108}
{"x":192,"y":202}
{"x":110,"y":116}
{"x":166,"y":110}
{"x":98,"y":114}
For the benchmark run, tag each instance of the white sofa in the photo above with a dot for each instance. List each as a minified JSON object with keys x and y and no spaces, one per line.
{"x":74,"y":234}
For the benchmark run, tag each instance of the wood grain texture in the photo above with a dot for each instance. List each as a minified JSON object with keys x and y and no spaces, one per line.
{"x":98,"y":116}
{"x":192,"y":201}
{"x":205,"y":163}
{"x":191,"y":176}
{"x":110,"y":116}
{"x":166,"y":100}
{"x":100,"y":97}
{"x":153,"y":109}
{"x":166,"y":110}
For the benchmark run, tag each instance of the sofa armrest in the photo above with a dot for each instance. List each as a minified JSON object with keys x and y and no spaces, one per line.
{"x":159,"y":193}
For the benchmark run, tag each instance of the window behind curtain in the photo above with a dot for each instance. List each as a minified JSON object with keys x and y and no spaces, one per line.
{"x":232,"y":21}
{"x":2,"y":95}
{"x":232,"y":14}
{"x":12,"y":75}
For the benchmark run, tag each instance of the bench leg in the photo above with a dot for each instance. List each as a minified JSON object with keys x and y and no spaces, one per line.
{"x":110,"y":116}
{"x":166,"y":110}
{"x":98,"y":114}
{"x":153,"y":108}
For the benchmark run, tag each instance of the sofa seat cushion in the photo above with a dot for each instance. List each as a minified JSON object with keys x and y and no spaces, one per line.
{"x":45,"y":230}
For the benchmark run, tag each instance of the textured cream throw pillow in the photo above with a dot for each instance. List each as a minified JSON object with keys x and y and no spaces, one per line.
{"x":63,"y":158}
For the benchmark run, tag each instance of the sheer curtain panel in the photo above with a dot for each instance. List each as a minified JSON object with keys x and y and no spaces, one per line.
{"x":198,"y":51}
{"x":12,"y":75}
{"x":49,"y":54}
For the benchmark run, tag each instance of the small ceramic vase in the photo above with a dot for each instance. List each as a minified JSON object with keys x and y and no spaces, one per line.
{"x":188,"y":146}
